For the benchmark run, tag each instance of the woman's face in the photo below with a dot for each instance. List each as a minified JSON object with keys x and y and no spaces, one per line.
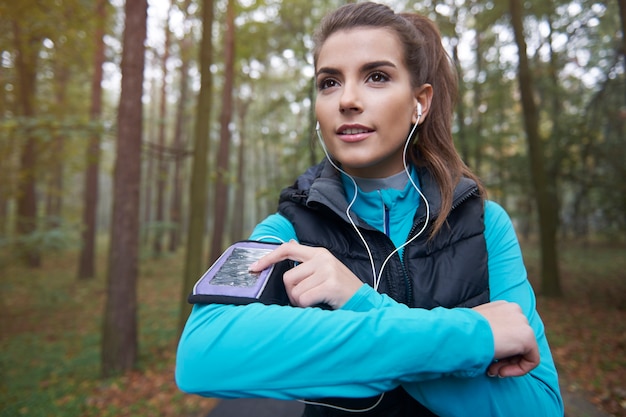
{"x":365,"y":103}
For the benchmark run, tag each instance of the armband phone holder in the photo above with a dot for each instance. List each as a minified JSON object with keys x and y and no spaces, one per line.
{"x":228,"y":280}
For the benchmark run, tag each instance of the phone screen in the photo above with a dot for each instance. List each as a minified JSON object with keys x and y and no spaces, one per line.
{"x":229,"y":275}
{"x":234,"y":271}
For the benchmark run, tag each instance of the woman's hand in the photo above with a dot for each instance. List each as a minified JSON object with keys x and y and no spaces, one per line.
{"x":516,"y":348}
{"x":318,"y":278}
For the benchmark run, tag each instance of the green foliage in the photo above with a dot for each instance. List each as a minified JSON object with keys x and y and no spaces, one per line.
{"x":56,"y":239}
{"x":53,"y":237}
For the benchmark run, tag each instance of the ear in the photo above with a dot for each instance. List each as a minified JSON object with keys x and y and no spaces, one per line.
{"x":423,"y":97}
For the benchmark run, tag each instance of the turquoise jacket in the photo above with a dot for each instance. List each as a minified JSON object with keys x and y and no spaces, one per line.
{"x":372,"y":344}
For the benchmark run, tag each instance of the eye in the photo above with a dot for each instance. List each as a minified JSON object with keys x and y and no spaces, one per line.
{"x":378,"y":77}
{"x":326,"y":83}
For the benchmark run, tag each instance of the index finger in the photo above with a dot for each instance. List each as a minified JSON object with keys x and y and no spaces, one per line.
{"x":291,"y":250}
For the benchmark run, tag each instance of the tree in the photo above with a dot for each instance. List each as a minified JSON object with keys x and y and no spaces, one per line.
{"x":237,"y":221}
{"x":119,"y":340}
{"x":223,"y":155}
{"x":86,"y":267}
{"x":178,"y":140}
{"x":622,"y":15}
{"x":194,"y":265}
{"x":161,"y":167}
{"x":55,"y":183}
{"x":27,"y":50}
{"x":545,"y":201}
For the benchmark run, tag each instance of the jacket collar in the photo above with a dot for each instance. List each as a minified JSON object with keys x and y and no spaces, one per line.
{"x":321,"y":185}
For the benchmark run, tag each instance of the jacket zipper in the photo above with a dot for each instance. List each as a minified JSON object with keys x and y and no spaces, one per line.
{"x":386,"y":220}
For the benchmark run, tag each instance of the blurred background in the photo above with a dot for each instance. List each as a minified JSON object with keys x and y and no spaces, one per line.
{"x":139,"y":139}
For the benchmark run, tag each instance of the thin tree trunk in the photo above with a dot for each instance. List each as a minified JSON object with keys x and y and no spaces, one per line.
{"x":477,"y":115}
{"x":223,"y":155}
{"x":461,"y":135}
{"x":119,"y":340}
{"x":237,"y":231}
{"x":178,"y":144}
{"x":546,"y":209}
{"x":194,"y":265}
{"x":148,"y":185}
{"x":54,"y":192}
{"x":161,"y":167}
{"x":26,"y":63}
{"x":86,"y":266}
{"x":460,"y":110}
{"x":179,"y":141}
{"x":622,"y":15}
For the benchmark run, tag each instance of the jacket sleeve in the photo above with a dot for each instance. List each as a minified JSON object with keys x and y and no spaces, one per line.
{"x":289,"y":353}
{"x":534,"y":394}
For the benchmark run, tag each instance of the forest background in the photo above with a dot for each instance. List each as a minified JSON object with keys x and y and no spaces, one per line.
{"x":138,"y":140}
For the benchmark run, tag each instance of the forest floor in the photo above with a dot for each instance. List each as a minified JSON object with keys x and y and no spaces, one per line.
{"x":50,"y":327}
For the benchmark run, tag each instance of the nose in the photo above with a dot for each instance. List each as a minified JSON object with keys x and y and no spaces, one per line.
{"x":350,"y":100}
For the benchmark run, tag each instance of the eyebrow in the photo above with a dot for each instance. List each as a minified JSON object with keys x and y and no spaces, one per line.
{"x":366,"y":67}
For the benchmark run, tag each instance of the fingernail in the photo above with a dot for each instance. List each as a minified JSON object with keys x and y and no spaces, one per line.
{"x":490,"y":375}
{"x":253,"y":267}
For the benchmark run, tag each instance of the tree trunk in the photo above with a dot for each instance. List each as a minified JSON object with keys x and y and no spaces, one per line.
{"x":119,"y":340}
{"x":237,"y":232}
{"x":622,"y":15}
{"x":161,"y":167}
{"x":27,"y":50}
{"x":223,"y":155}
{"x":176,"y":208}
{"x":198,"y":193}
{"x":461,"y":135}
{"x":54,"y":191}
{"x":86,"y":266}
{"x":477,"y":116}
{"x":546,"y":208}
{"x":148,"y":183}
{"x":460,"y":109}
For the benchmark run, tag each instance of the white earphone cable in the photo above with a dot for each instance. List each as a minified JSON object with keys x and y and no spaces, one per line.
{"x":356,"y":192}
{"x":378,"y":276}
{"x":427,"y":205}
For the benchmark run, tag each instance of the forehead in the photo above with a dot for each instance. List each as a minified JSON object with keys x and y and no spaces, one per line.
{"x":353,"y":47}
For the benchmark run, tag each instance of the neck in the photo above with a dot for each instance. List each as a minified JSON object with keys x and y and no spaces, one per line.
{"x":397,"y":181}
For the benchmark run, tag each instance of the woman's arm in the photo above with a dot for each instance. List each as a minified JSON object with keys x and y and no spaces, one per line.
{"x":534,"y":394}
{"x":289,"y":352}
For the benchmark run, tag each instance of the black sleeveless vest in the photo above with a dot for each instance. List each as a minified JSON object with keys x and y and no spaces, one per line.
{"x":448,"y":270}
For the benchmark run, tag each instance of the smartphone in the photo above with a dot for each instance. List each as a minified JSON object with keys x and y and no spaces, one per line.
{"x":229,"y":275}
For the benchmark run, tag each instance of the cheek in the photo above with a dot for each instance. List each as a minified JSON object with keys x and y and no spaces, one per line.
{"x":319,"y":114}
{"x":400,"y":112}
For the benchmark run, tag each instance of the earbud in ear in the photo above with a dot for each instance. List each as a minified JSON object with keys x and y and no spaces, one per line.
{"x":419,"y":110}
{"x":317,"y":126}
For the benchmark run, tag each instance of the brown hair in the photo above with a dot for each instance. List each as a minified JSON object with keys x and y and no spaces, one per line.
{"x":429,"y":63}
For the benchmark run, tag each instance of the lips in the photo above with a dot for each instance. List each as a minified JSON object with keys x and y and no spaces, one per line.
{"x":353,"y":129}
{"x":353,"y":133}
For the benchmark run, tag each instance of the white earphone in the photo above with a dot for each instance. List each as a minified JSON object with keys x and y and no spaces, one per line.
{"x":419,"y":112}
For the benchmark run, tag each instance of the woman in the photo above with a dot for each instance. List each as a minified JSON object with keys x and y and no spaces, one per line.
{"x":425,"y":281}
